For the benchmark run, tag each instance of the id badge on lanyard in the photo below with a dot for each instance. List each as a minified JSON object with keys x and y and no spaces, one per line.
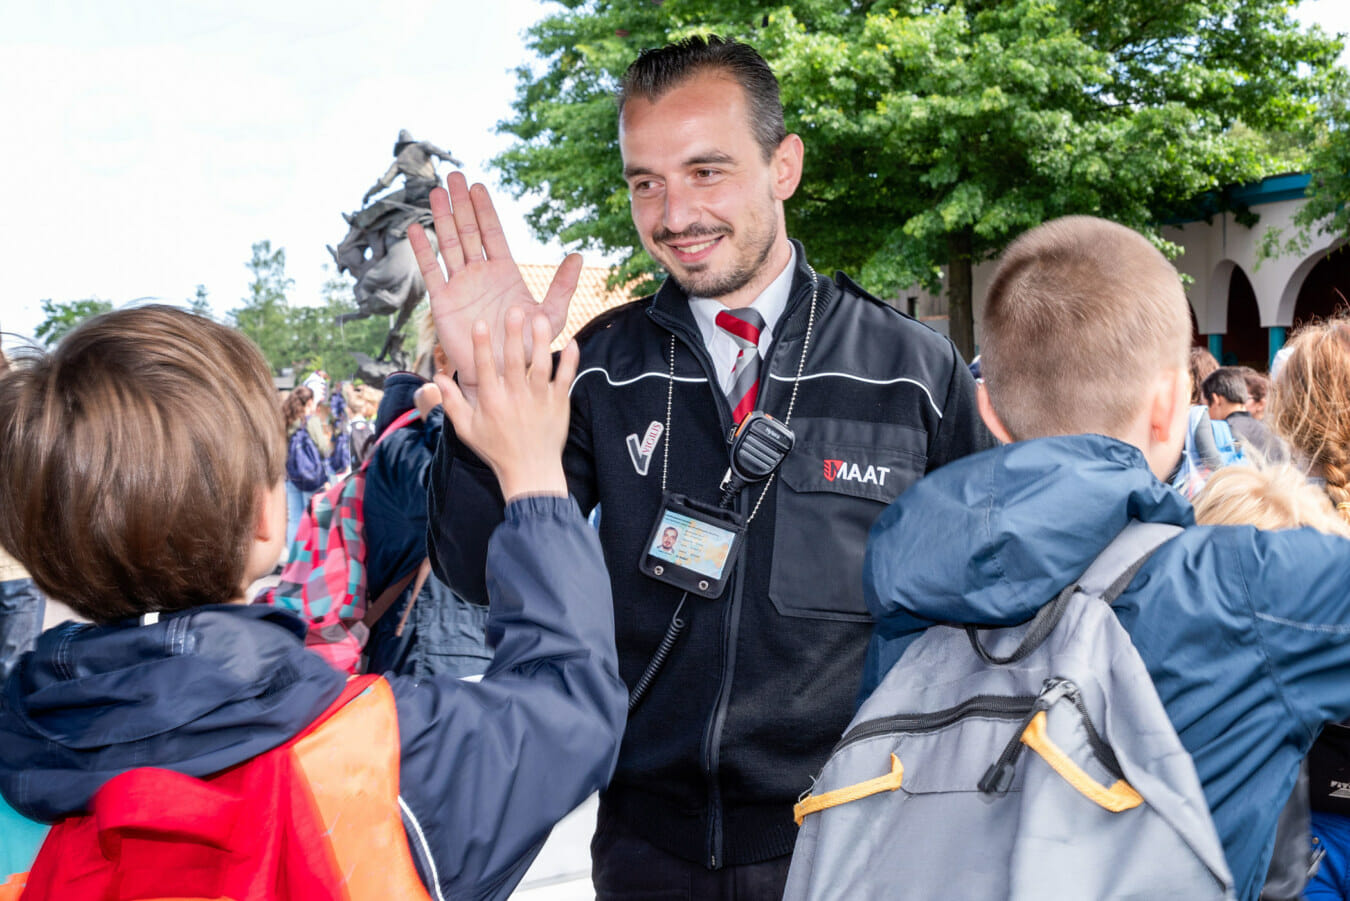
{"x":693,"y":546}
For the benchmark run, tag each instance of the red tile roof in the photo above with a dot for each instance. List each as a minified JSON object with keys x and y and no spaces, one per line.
{"x":590,"y":300}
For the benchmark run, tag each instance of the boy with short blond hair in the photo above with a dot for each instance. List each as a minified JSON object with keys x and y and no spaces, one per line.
{"x":1246,"y":634}
{"x":1106,"y":313}
{"x":141,"y":481}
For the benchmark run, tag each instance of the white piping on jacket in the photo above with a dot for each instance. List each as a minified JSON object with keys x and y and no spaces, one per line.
{"x":426,"y":848}
{"x":858,"y":378}
{"x":636,"y":378}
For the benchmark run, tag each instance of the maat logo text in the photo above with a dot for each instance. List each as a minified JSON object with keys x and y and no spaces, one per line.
{"x":845,"y":471}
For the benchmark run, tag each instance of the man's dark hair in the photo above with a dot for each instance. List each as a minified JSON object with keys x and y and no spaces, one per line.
{"x":1226,"y":382}
{"x":657,"y":71}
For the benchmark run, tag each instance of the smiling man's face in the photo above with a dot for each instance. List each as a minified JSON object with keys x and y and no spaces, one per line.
{"x":707,"y":205}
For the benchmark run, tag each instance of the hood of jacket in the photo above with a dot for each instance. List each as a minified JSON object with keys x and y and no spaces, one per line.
{"x":399,"y":388}
{"x":196,"y":692}
{"x":991,"y":538}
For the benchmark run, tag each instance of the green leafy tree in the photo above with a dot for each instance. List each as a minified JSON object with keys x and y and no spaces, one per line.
{"x":303,"y":337}
{"x":265,"y":314}
{"x":1327,"y":210}
{"x":61,"y":318}
{"x":937,"y":131}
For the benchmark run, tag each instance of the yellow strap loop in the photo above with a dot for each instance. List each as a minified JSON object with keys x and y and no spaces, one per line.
{"x":1119,"y":797}
{"x":887,"y":783}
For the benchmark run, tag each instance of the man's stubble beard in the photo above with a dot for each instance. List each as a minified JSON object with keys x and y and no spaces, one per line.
{"x":705,"y":284}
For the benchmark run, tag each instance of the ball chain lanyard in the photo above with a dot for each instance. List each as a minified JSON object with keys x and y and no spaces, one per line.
{"x":792,"y":401}
{"x":677,"y":623}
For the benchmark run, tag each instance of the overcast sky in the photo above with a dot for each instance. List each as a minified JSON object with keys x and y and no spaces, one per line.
{"x":149,"y":143}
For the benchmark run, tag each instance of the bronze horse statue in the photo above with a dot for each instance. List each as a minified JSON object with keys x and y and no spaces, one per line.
{"x":376,"y":250}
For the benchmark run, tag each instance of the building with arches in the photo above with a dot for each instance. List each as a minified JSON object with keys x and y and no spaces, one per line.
{"x":1243,"y":308}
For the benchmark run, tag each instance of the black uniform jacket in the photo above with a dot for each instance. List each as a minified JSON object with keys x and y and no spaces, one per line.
{"x":764,"y":678}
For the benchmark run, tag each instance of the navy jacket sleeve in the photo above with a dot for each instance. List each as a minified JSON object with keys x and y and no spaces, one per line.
{"x":489,"y":767}
{"x":465,"y":504}
{"x":961,"y":431}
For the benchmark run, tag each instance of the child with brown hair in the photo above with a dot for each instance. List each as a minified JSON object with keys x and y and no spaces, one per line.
{"x":1084,"y":338}
{"x":141,"y":473}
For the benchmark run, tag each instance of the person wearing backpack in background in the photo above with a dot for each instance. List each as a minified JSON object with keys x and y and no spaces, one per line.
{"x":363,"y":402}
{"x":339,"y":462}
{"x":1225,"y":391}
{"x":442,"y":632}
{"x":1201,"y":453}
{"x":1243,"y":632}
{"x":306,"y":448}
{"x":185,"y":744}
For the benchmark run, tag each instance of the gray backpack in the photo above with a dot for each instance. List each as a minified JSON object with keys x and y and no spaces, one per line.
{"x":1030,"y":762}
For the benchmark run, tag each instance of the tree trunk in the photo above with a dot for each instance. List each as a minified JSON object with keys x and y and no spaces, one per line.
{"x":960,"y":303}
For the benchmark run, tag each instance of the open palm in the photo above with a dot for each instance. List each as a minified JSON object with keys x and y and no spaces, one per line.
{"x":480,"y":281}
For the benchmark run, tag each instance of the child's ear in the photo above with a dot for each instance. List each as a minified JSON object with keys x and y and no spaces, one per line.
{"x":269,"y":533}
{"x":990,"y":417}
{"x":270,"y":500}
{"x":1169,"y":400}
{"x":1167,"y":416}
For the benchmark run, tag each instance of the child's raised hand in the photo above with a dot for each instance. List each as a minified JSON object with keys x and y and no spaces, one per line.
{"x":518,"y":422}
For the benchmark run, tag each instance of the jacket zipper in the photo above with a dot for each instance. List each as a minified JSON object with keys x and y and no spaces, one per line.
{"x":713,"y":726}
{"x":989,"y":706}
{"x":731,"y":617}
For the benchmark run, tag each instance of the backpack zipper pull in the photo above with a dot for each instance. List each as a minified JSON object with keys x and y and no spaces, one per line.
{"x":998,"y":778}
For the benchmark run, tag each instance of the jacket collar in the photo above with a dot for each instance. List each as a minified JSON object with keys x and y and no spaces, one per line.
{"x":196,"y":692}
{"x":990,"y":538}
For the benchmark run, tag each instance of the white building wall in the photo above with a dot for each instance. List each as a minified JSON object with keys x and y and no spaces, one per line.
{"x":1211,"y":252}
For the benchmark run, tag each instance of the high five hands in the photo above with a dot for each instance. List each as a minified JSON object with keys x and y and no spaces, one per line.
{"x":480,"y":281}
{"x":518,"y":422}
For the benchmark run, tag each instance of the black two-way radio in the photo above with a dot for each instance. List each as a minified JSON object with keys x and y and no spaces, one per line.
{"x":694,"y":546}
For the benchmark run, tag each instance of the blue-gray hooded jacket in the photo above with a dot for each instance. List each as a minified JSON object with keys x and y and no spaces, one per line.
{"x":1245,"y":633}
{"x":486,"y":769}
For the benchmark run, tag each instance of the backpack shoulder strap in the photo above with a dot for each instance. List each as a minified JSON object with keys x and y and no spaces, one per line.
{"x":1224,"y":440}
{"x":359,"y":746}
{"x":404,"y":418}
{"x":355,"y":686}
{"x":1120,"y":561}
{"x":1107,"y":576}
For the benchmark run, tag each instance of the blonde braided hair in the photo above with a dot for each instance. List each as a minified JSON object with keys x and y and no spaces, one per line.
{"x":1310,"y":405}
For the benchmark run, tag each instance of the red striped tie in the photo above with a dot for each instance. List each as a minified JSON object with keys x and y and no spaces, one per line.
{"x":744,"y":327}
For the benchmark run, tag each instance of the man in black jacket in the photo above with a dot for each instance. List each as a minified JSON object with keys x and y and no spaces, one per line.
{"x":760,"y":680}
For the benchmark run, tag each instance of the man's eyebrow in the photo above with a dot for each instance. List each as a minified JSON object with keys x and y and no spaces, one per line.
{"x":715,"y":157}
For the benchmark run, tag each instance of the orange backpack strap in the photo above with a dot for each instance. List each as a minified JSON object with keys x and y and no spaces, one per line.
{"x":355,"y":686}
{"x":351,"y":763}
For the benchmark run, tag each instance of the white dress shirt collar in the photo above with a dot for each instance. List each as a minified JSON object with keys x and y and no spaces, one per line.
{"x":769,"y":304}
